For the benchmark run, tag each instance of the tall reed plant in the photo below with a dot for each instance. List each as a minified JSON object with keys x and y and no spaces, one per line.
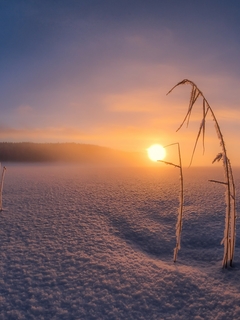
{"x":181,"y":200}
{"x":229,"y":237}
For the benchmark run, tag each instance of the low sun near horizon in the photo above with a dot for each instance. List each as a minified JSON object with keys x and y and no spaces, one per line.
{"x":156,"y":152}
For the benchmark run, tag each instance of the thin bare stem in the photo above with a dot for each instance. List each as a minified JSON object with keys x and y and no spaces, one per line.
{"x":181,"y":201}
{"x":203,"y":126}
{"x":1,"y":187}
{"x":170,"y":163}
{"x":180,"y":213}
{"x":217,"y":181}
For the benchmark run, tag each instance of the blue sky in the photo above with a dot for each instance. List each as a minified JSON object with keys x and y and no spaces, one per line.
{"x":98,"y":71}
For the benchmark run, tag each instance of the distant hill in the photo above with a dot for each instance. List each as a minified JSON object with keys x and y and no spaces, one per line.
{"x":67,"y":152}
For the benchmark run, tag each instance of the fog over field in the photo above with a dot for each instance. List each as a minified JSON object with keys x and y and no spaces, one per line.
{"x":82,"y":242}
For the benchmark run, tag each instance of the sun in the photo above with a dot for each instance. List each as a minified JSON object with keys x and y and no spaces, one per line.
{"x":156,"y":152}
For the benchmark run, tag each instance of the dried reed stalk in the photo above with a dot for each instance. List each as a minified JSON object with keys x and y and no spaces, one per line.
{"x":1,"y":187}
{"x":181,"y":200}
{"x":229,"y":237}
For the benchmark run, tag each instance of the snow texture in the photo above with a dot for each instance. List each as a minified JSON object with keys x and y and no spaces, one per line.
{"x":97,"y":243}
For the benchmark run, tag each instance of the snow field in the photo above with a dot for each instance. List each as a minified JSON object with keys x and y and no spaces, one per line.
{"x":97,"y":243}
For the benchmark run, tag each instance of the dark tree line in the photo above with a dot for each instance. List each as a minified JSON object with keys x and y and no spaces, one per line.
{"x":62,"y":152}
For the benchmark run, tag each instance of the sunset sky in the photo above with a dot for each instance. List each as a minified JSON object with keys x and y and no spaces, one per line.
{"x":98,"y":71}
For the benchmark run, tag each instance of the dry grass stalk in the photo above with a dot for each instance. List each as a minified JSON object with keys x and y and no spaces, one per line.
{"x":230,"y":217}
{"x":1,"y":187}
{"x":220,"y":182}
{"x":181,"y":200}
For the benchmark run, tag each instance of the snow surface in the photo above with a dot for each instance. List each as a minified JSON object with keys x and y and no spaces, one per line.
{"x":97,"y":243}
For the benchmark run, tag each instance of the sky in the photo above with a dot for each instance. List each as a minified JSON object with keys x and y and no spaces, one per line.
{"x":97,"y":72}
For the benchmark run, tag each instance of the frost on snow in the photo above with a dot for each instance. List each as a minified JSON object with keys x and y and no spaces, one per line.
{"x":79,"y":243}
